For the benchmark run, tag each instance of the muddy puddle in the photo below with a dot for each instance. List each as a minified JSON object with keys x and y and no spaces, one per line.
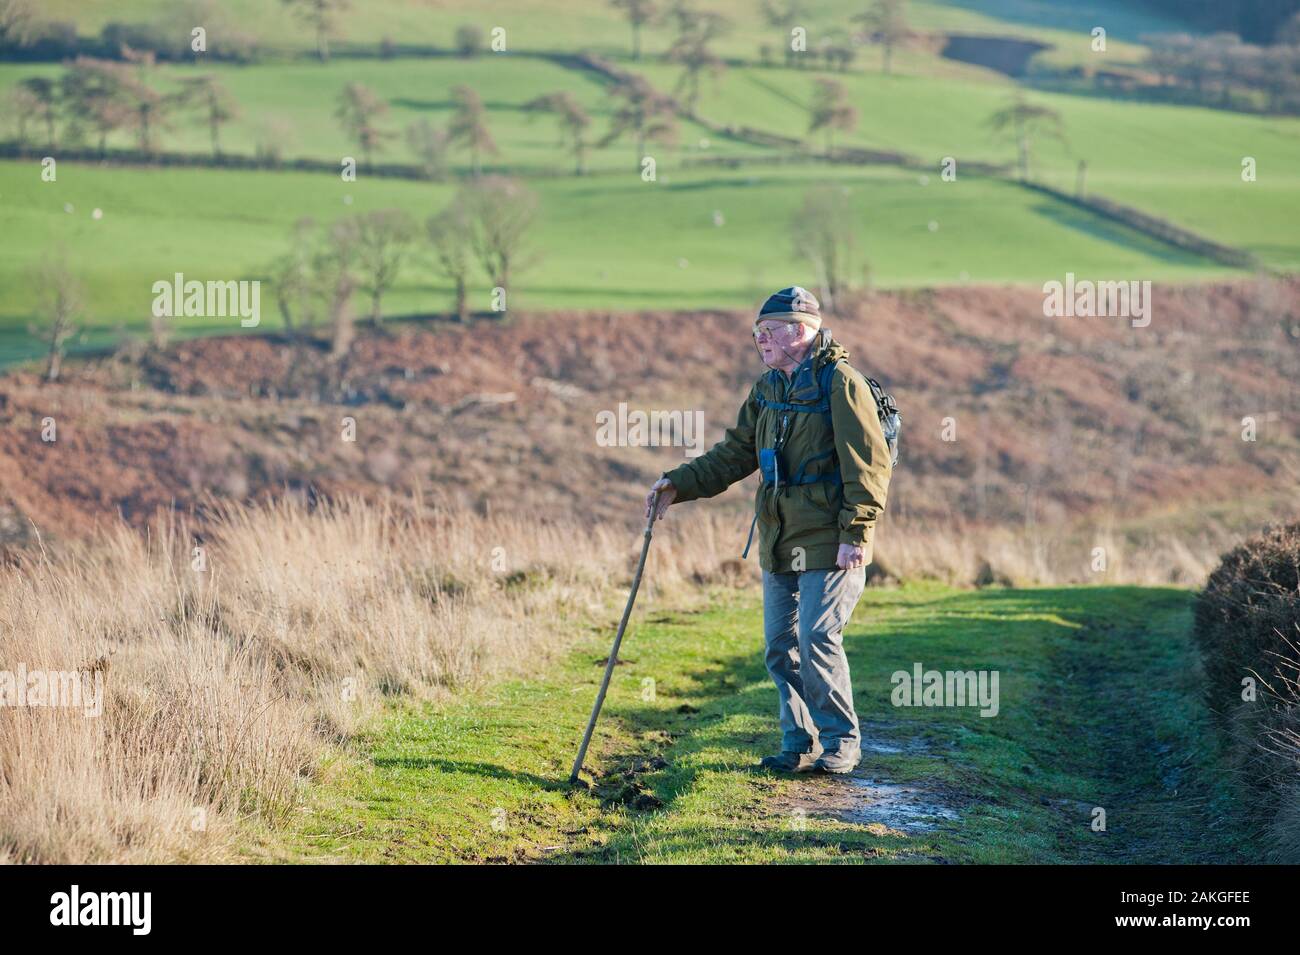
{"x":881,"y":804}
{"x":882,"y":738}
{"x":905,"y":807}
{"x":898,"y":808}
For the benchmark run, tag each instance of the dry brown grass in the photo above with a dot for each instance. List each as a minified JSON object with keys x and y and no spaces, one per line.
{"x":981,"y":555}
{"x":224,"y":687}
{"x":227,"y":685}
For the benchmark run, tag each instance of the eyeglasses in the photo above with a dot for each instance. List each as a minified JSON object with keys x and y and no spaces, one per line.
{"x":763,"y":333}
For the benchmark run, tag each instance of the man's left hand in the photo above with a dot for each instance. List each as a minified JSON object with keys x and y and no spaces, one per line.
{"x":851,"y":556}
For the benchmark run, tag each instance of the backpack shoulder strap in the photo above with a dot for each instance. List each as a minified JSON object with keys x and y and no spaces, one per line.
{"x":825,"y":375}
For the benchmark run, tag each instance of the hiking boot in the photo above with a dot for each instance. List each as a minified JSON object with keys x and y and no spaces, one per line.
{"x":788,"y":761}
{"x":839,"y":761}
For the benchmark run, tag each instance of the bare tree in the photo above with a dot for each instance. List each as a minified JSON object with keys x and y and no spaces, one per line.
{"x":43,"y":96}
{"x":448,"y":233}
{"x":1164,"y":53}
{"x":321,"y":16}
{"x":60,"y":294}
{"x":695,"y":32}
{"x":784,"y":15}
{"x":150,"y":109}
{"x":430,"y":145}
{"x":644,"y":112}
{"x":638,"y":14}
{"x":469,"y":126}
{"x":298,"y":295}
{"x":1025,"y":121}
{"x":839,"y":53}
{"x":383,"y":239}
{"x":210,"y":95}
{"x":15,"y":18}
{"x":469,"y":39}
{"x":334,"y":266}
{"x":271,"y":136}
{"x":825,"y":233}
{"x":500,"y":212}
{"x":161,"y":328}
{"x":887,"y":21}
{"x":96,"y":97}
{"x":831,"y":110}
{"x":294,"y":281}
{"x":358,"y":111}
{"x":573,"y":119}
{"x":23,"y":105}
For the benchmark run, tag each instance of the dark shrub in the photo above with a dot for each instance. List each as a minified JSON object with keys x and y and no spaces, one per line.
{"x":469,"y":39}
{"x":1250,"y":602}
{"x":146,"y":38}
{"x":1248,"y":625}
{"x":47,"y":40}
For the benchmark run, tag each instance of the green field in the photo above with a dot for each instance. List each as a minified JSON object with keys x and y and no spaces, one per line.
{"x":611,"y":241}
{"x":294,"y":103}
{"x":1183,"y":163}
{"x":702,"y":236}
{"x":1099,"y":708}
{"x":594,"y":25}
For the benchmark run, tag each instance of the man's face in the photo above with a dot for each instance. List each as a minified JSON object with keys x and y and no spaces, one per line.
{"x":779,"y":341}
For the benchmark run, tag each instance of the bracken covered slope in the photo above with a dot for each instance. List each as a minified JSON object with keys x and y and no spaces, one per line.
{"x":1009,"y":416}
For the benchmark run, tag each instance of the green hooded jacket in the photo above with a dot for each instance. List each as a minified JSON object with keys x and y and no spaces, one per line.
{"x":801,"y":527}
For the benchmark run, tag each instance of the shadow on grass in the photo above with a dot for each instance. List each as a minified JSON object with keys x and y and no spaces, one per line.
{"x":485,"y":770}
{"x":1100,"y":708}
{"x":736,"y":711}
{"x":1116,"y":233}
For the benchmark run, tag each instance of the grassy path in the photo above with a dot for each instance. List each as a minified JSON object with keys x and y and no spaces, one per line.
{"x":1098,"y":708}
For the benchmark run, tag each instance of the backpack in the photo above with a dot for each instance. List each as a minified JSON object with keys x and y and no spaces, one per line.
{"x":891,"y":419}
{"x":891,"y":423}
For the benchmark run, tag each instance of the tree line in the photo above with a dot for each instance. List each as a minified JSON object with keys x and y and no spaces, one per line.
{"x":1217,"y":68}
{"x":883,"y":22}
{"x":94,"y":98}
{"x":337,"y":273}
{"x":25,"y":35}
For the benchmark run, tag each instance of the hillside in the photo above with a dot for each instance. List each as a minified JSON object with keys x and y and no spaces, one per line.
{"x":341,"y":340}
{"x":736,"y":155}
{"x":1054,"y":420}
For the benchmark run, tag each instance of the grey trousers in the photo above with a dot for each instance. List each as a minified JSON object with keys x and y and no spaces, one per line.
{"x":804,"y":615}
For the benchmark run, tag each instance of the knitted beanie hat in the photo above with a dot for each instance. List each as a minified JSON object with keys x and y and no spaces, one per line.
{"x":794,"y":304}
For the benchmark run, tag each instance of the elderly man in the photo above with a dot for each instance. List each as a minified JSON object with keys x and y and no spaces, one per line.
{"x":811,"y":425}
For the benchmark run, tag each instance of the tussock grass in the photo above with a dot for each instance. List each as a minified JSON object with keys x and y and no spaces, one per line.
{"x":1248,"y":629}
{"x":1086,"y":553}
{"x":232,"y":664}
{"x":224,"y":686}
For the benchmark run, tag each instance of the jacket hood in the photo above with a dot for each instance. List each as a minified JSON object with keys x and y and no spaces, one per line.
{"x":827,"y":350}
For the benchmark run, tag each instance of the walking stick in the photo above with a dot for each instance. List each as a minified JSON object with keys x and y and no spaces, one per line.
{"x":618,"y":639}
